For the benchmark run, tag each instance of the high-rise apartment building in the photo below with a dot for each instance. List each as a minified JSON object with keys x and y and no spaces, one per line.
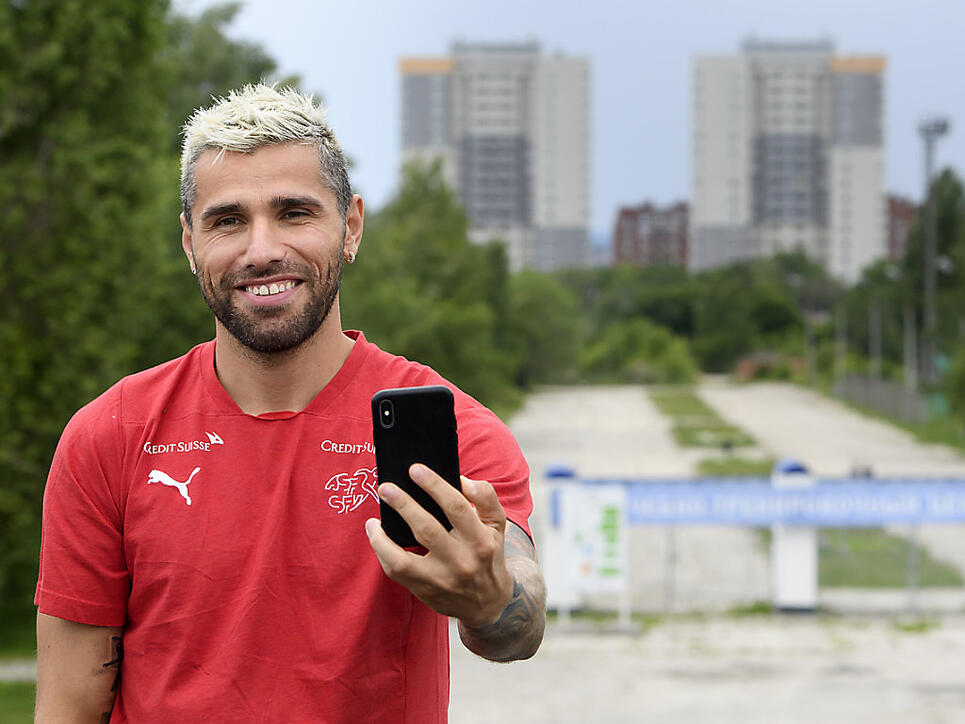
{"x":511,"y":126}
{"x":426,"y":135}
{"x":787,"y":155}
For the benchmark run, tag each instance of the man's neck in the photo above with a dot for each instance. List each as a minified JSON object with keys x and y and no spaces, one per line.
{"x":285,"y":381}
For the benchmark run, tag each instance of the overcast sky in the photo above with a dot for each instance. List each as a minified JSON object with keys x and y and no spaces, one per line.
{"x":640,"y":55}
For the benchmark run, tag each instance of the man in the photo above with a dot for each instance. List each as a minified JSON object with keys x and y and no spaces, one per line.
{"x":210,"y":551}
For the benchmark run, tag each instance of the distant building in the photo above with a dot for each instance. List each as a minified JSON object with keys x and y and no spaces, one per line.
{"x":648,"y":235}
{"x":787,"y":155}
{"x":901,"y":215}
{"x":426,"y":127}
{"x":511,"y":126}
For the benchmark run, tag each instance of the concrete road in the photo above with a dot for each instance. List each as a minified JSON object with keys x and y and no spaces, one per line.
{"x":743,"y":671}
{"x":788,"y":420}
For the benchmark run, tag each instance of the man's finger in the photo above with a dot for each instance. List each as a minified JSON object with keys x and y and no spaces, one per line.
{"x":392,"y":558}
{"x":483,"y":495}
{"x":453,"y":503}
{"x":427,"y":530}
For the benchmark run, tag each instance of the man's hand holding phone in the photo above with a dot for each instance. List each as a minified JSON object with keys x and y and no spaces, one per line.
{"x":463,"y":573}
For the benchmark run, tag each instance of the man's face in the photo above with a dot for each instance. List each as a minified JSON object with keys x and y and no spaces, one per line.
{"x":267,"y":238}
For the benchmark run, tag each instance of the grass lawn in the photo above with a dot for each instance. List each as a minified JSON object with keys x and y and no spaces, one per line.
{"x":728,"y":467}
{"x":16,"y":702}
{"x":872,"y":558}
{"x":694,"y":423}
{"x":940,"y":430}
{"x":681,"y":401}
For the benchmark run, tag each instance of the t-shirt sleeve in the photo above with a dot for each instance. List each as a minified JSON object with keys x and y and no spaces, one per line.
{"x":83,"y":571}
{"x":488,"y":451}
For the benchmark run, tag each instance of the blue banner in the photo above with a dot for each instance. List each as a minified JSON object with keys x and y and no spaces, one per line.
{"x":829,"y":503}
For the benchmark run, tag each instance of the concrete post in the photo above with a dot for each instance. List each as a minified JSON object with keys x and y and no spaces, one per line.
{"x":794,"y":549}
{"x":561,"y":594}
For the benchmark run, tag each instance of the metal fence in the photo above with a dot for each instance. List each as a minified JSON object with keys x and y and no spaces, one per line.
{"x":885,"y":396}
{"x":588,"y":548}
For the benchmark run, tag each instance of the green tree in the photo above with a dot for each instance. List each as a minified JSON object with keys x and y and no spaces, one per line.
{"x":545,"y":327}
{"x":955,"y":384}
{"x":83,"y":180}
{"x":206,"y":63}
{"x":422,"y":290}
{"x":637,"y":350}
{"x":90,"y":109}
{"x":723,"y":329}
{"x":662,"y":294}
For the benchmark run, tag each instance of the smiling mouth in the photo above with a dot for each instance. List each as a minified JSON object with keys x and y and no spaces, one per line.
{"x":267,"y":290}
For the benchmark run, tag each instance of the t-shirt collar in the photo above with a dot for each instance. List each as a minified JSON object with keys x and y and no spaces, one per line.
{"x":328,"y":394}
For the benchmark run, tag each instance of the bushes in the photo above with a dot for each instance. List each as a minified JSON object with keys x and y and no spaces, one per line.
{"x":637,"y":350}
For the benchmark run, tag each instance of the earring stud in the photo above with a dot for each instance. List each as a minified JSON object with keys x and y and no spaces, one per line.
{"x":349,"y":256}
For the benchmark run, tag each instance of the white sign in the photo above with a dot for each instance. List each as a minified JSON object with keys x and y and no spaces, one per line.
{"x":594,"y":537}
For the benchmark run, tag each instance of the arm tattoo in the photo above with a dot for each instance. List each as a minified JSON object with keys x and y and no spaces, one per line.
{"x":117,"y":651}
{"x":519,"y":631}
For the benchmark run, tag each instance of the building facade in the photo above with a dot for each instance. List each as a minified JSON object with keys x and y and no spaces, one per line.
{"x":648,"y":235}
{"x":787,"y":155}
{"x":901,"y":216}
{"x":511,"y":127}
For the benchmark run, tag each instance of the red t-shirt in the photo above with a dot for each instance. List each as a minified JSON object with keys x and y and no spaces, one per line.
{"x":232,"y":549}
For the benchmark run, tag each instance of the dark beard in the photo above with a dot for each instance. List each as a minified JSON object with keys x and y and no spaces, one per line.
{"x":254,"y":328}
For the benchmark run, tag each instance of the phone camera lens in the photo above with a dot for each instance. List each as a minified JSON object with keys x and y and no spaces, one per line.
{"x":386,"y":414}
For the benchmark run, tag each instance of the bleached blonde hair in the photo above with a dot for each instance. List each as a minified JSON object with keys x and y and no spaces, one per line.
{"x":256,"y":116}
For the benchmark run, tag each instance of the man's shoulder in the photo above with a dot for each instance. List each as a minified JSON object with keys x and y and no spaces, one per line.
{"x":401,"y":371}
{"x":131,"y":396}
{"x":392,"y":370}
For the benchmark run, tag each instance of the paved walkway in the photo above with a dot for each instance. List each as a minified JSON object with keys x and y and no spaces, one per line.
{"x":755,"y":670}
{"x":831,"y":438}
{"x":18,"y":670}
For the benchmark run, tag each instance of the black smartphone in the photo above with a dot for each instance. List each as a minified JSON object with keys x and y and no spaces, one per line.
{"x":414,"y":425}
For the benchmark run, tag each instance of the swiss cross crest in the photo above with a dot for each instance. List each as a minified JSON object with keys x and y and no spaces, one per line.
{"x":351,"y":489}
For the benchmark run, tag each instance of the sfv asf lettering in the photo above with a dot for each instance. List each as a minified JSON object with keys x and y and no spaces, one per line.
{"x":159,"y":476}
{"x":352,"y":489}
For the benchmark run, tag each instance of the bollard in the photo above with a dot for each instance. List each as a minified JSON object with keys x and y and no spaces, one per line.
{"x":794,"y":548}
{"x":561,"y":594}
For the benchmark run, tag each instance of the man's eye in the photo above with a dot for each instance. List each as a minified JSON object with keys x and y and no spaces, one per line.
{"x":295,"y":213}
{"x":226,"y":221}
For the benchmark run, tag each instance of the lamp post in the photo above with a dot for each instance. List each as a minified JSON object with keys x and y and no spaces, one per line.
{"x":931,"y":130}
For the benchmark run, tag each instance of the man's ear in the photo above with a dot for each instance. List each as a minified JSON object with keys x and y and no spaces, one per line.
{"x":186,"y":245}
{"x":354,"y":220}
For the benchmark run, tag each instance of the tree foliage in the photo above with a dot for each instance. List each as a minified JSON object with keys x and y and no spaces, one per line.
{"x":420,"y":289}
{"x":545,"y":329}
{"x":888,"y":288}
{"x":206,"y":63}
{"x":81,"y":193}
{"x":722,"y":314}
{"x":90,"y":260}
{"x":636,"y":350}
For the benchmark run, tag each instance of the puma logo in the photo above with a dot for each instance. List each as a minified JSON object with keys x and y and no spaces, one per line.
{"x":159,"y":476}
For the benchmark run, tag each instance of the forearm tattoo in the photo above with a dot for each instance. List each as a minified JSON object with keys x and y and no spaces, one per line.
{"x":519,"y":631}
{"x":117,"y":655}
